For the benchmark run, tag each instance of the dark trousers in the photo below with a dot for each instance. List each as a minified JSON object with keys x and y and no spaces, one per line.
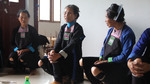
{"x":87,"y":65}
{"x":64,"y":67}
{"x":141,"y":80}
{"x":47,"y":66}
{"x":115,"y":73}
{"x":144,"y":79}
{"x":30,"y":60}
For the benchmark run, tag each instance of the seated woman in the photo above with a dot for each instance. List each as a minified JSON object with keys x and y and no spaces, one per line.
{"x":139,"y":60}
{"x":24,"y":43}
{"x":68,"y":49}
{"x":111,"y":67}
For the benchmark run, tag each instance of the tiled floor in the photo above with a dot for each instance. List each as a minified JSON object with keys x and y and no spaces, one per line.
{"x":40,"y":78}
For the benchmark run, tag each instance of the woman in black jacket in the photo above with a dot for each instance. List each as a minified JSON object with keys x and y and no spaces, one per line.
{"x":68,"y":49}
{"x":24,"y":43}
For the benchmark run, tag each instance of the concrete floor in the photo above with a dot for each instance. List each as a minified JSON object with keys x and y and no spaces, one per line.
{"x":40,"y":78}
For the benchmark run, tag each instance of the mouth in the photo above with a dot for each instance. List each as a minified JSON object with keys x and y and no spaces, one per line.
{"x":23,"y":22}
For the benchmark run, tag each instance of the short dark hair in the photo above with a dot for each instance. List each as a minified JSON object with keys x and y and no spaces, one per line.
{"x":75,"y":9}
{"x":112,"y":12}
{"x":23,"y":11}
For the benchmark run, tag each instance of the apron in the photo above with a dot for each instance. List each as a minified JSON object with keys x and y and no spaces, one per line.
{"x":112,"y":47}
{"x":23,"y":40}
{"x":115,"y":73}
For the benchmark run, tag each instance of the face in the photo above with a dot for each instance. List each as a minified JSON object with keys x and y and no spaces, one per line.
{"x":23,"y":19}
{"x":69,"y":15}
{"x":109,"y":22}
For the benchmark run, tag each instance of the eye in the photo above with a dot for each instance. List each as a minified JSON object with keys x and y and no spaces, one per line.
{"x":64,"y":13}
{"x":21,"y":17}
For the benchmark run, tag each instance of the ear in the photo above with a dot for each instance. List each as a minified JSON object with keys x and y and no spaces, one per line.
{"x":76,"y":16}
{"x":18,"y":18}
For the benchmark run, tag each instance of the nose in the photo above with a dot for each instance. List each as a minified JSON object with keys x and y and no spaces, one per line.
{"x":66,"y":14}
{"x":105,"y":20}
{"x":23,"y":19}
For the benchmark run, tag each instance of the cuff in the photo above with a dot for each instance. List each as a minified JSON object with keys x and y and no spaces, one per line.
{"x":16,"y":49}
{"x":63,"y":53}
{"x":31,"y":48}
{"x":109,"y":59}
{"x":101,"y":57}
{"x":132,"y":56}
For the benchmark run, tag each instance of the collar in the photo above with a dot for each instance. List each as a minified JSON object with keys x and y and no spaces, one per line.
{"x":69,"y":24}
{"x":23,"y":30}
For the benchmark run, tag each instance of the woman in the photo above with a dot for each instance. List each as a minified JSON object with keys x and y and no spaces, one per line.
{"x":111,"y":66}
{"x":24,"y":43}
{"x":68,"y":49}
{"x":139,"y":60}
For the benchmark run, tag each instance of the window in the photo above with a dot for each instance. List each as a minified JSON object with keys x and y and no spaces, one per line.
{"x":14,"y":1}
{"x":49,"y":10}
{"x":44,"y":9}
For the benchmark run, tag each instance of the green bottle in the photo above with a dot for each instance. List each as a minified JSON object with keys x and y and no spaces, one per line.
{"x":27,"y":80}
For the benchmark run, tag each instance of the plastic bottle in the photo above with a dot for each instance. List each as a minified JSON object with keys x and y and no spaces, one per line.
{"x":27,"y":80}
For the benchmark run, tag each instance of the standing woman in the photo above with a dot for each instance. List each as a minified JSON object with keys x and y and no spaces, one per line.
{"x":24,"y":43}
{"x":68,"y":49}
{"x":111,"y":67}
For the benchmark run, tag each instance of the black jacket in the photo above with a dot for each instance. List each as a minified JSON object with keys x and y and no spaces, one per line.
{"x":33,"y":38}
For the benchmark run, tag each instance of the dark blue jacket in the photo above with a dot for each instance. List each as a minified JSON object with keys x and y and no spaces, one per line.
{"x":141,"y":45}
{"x":127,"y":41}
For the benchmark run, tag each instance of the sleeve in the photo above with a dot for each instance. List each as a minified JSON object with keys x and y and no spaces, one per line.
{"x":31,"y":48}
{"x":77,"y":37}
{"x":13,"y":44}
{"x":140,"y":46}
{"x":57,"y":46}
{"x":128,"y":42}
{"x":34,"y":43}
{"x":15,"y":49}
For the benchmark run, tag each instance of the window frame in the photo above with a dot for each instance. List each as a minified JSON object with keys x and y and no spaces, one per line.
{"x":51,"y":12}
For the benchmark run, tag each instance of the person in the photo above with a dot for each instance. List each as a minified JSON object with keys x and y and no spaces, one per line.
{"x":67,"y":50}
{"x":138,"y":60}
{"x":111,"y":67}
{"x":24,"y":44}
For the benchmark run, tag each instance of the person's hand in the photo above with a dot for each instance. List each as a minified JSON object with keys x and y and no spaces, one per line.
{"x":18,"y":52}
{"x":21,"y":51}
{"x":52,"y":52}
{"x":145,"y":67}
{"x":100,"y":61}
{"x":136,"y":67}
{"x":52,"y":56}
{"x":56,"y":57}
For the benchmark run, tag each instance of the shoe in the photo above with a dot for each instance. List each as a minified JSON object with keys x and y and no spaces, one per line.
{"x":55,"y":82}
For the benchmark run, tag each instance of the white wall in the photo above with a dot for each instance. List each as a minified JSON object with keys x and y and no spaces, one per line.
{"x":47,"y":28}
{"x":92,"y":19}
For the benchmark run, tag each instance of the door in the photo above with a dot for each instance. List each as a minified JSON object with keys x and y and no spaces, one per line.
{"x":8,"y":21}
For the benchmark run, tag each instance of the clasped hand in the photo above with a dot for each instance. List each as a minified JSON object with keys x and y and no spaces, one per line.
{"x":100,"y":61}
{"x":52,"y":56}
{"x":138,"y":68}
